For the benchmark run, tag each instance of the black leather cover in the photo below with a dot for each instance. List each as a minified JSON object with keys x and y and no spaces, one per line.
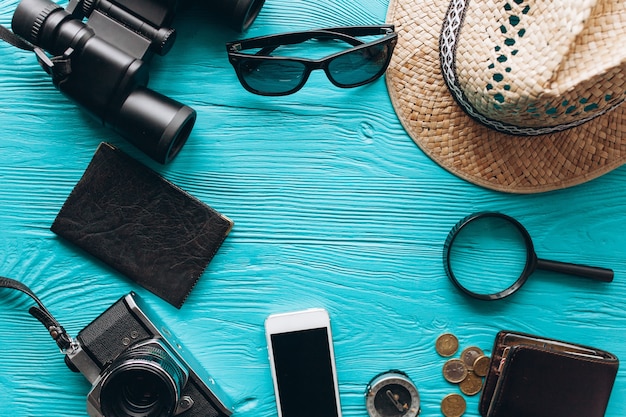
{"x":142,"y":225}
{"x":531,"y":376}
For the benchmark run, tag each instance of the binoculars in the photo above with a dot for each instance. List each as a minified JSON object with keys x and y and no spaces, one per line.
{"x":101,"y":51}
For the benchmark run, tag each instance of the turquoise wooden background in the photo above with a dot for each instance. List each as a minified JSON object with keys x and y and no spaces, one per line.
{"x":334,"y":206}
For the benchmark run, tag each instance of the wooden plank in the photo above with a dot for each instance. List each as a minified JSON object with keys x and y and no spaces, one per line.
{"x":334,"y":206}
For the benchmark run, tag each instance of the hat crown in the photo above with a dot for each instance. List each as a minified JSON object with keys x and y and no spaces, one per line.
{"x":535,"y":67}
{"x":428,"y":79}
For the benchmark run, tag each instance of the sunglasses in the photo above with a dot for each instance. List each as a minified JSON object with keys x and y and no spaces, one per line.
{"x":261,"y":73}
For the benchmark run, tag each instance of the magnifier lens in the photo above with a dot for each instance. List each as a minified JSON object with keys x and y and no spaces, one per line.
{"x":488,"y":255}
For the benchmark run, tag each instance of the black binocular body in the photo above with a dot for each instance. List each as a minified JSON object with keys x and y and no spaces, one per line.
{"x":101,"y":53}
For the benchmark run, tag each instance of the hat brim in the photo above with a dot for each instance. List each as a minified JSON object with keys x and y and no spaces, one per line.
{"x":472,"y":151}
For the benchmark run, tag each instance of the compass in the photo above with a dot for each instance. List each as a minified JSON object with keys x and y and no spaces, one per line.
{"x":392,"y":394}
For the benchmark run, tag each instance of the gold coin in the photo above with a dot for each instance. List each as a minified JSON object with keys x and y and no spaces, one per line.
{"x":472,"y":384}
{"x":453,"y":405}
{"x":454,"y":371}
{"x":481,"y":365}
{"x":469,"y":356}
{"x":447,"y":344}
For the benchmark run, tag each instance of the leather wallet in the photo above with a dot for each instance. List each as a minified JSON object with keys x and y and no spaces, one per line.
{"x":142,"y":225}
{"x":531,"y":376}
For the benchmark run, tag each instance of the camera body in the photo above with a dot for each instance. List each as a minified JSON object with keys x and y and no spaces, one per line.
{"x":101,"y":52}
{"x":138,"y":369}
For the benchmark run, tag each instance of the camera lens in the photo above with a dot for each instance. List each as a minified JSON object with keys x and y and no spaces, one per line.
{"x":141,"y":392}
{"x":142,"y":382}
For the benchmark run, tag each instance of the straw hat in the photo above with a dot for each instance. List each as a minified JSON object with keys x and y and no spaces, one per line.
{"x":514,"y":95}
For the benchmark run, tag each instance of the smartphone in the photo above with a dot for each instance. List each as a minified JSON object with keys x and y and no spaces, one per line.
{"x":303,"y":364}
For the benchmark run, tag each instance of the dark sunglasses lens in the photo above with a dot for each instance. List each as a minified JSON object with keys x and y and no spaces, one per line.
{"x":360,"y":66}
{"x":272,"y":76}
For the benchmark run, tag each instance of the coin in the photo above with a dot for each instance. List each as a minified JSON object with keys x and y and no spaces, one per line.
{"x":472,"y":384}
{"x":453,"y":405}
{"x":447,"y":344}
{"x":481,"y":365}
{"x":469,"y":356}
{"x":454,"y":370}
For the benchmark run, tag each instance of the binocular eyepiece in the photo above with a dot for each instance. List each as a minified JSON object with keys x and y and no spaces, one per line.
{"x":102,"y":63}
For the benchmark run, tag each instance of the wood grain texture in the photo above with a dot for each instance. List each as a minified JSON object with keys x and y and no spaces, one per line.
{"x":334,"y":206}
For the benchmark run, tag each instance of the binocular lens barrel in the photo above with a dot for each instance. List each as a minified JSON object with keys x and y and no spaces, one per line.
{"x":154,"y":123}
{"x":239,"y":13}
{"x":30,"y":16}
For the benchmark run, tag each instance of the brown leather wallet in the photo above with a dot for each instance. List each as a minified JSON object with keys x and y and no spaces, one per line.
{"x":133,"y":219}
{"x":540,"y":377}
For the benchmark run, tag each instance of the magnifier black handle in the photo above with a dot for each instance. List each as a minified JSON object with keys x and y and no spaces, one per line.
{"x":591,"y":272}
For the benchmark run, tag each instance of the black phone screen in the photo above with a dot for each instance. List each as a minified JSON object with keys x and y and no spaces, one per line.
{"x":304,"y":373}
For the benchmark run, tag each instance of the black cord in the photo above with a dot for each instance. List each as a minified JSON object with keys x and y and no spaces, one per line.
{"x":41,"y":313}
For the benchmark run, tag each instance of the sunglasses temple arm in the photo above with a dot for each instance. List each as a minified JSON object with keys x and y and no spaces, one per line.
{"x":332,"y":35}
{"x":591,"y":272}
{"x":361,"y":30}
{"x":269,"y":49}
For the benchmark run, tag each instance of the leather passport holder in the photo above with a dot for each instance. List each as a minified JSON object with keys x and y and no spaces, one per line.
{"x":531,"y":376}
{"x":134,"y":220}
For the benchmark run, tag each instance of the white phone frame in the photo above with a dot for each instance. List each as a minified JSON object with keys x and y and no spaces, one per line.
{"x":313,"y":318}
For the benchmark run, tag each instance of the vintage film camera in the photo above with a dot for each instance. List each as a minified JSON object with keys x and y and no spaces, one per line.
{"x":101,"y":50}
{"x":138,"y":369}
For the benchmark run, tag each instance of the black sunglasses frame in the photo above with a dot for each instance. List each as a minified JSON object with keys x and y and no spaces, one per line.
{"x":268,"y":44}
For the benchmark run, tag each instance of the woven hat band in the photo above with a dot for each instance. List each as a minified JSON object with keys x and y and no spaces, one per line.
{"x":535,"y":67}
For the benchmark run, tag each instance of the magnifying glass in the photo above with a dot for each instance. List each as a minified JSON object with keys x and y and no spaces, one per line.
{"x":490,"y":255}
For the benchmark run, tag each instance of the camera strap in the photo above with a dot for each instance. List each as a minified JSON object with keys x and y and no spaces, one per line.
{"x":58,"y":67}
{"x":10,"y":37}
{"x":41,"y":313}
